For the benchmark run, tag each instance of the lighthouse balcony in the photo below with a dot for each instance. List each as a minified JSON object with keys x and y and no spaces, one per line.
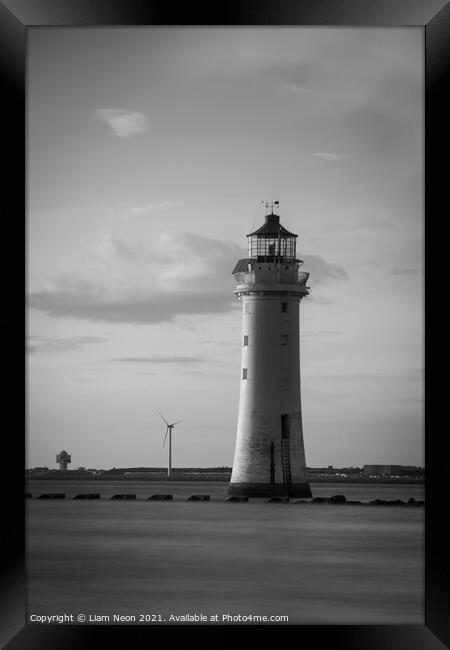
{"x":272,"y":280}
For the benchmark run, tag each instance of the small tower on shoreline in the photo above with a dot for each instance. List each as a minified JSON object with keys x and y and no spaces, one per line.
{"x":63,"y":458}
{"x":269,"y":457}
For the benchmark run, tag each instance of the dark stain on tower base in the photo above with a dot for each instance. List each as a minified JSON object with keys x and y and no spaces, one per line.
{"x":301,"y":490}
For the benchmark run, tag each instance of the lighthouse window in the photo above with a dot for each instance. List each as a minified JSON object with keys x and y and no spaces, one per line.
{"x":244,"y":373}
{"x":246,"y":308}
{"x":284,"y":307}
{"x":284,"y":339}
{"x":245,"y":340}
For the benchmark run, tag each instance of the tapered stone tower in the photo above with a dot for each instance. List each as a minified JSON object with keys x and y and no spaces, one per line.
{"x":269,"y":457}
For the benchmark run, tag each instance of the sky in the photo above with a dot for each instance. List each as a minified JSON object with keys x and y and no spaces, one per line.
{"x":151,"y":153}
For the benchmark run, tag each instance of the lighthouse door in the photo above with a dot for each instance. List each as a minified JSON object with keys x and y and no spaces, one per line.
{"x":285,"y":454}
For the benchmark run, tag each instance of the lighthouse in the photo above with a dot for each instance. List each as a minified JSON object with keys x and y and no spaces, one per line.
{"x":269,"y":458}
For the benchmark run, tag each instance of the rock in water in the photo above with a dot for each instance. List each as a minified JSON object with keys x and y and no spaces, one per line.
{"x":337,"y":498}
{"x":161,"y":497}
{"x":198,"y":497}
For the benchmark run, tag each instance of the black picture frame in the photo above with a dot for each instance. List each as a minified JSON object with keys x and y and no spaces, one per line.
{"x":16,"y":18}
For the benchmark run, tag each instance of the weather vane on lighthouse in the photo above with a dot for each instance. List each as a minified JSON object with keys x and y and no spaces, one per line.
{"x":271,"y":205}
{"x":269,"y":457}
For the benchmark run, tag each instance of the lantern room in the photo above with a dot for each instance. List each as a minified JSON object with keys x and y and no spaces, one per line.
{"x":271,"y":242}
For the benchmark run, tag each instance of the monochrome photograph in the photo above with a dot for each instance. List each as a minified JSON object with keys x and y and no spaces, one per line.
{"x":225,"y":306}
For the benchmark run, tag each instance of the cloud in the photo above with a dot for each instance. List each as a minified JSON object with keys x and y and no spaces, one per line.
{"x":180,"y":274}
{"x":331,"y":156}
{"x":39,"y":344}
{"x":151,"y":207}
{"x":322,"y":271}
{"x":297,"y":87}
{"x":319,"y":300}
{"x":400,"y":377}
{"x":358,"y":376}
{"x":90,"y":301}
{"x":373,"y":225}
{"x":123,"y":123}
{"x":176,"y":360}
{"x":110,"y":247}
{"x":310,"y":333}
{"x":399,"y":271}
{"x":129,"y":282}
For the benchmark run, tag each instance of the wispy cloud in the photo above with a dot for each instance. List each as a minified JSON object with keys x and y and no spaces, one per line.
{"x":355,"y":376}
{"x":314,"y":333}
{"x":331,"y":156}
{"x":322,"y":271}
{"x":123,"y":123}
{"x":376,"y":225}
{"x":110,"y":247}
{"x":408,"y":375}
{"x":399,"y":271}
{"x":319,"y":300}
{"x":39,"y":344}
{"x":151,"y":207}
{"x":175,"y":360}
{"x":146,"y":208}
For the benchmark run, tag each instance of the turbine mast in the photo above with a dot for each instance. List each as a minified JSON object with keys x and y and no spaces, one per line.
{"x":169,"y":466}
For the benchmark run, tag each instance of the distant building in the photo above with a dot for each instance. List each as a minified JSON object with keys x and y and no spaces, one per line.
{"x":382,"y":470}
{"x":37,"y":470}
{"x":63,"y":458}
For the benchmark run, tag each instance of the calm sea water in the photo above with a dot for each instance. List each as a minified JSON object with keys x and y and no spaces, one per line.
{"x":315,"y":564}
{"x":218,"y":490}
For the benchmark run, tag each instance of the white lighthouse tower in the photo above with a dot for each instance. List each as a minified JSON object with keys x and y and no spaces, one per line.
{"x":269,"y":457}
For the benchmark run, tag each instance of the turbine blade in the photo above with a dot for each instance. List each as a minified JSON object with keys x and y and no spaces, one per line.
{"x":163,"y":418}
{"x":165,"y":437}
{"x":174,"y":423}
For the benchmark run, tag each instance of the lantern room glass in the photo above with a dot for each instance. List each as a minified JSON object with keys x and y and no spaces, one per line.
{"x":262,"y":247}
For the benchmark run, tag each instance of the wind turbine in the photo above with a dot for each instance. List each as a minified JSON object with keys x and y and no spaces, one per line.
{"x":169,"y":431}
